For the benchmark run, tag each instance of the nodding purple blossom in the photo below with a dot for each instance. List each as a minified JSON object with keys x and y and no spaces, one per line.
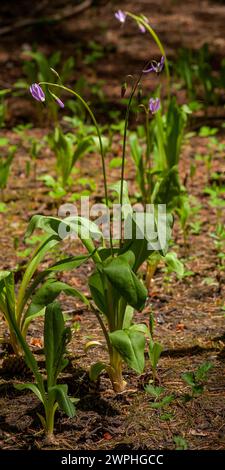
{"x":60,"y":103}
{"x":156,"y":67}
{"x":154,"y":105}
{"x":120,"y":16}
{"x":37,"y":92}
{"x":141,"y":26}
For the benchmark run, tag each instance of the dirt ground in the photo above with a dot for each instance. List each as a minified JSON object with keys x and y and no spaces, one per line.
{"x":188,"y":312}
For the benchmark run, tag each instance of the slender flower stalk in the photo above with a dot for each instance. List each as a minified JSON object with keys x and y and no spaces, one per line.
{"x":91,"y":114}
{"x":134,"y":88}
{"x":142,"y":20}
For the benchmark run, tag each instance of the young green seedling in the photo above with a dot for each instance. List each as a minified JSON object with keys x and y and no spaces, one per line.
{"x":51,"y":394}
{"x":196,"y":380}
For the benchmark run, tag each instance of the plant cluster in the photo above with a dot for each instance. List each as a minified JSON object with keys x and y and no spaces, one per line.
{"x":116,"y":286}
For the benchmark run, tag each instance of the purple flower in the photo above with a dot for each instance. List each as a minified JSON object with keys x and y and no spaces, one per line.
{"x":37,"y":92}
{"x":142,"y":28}
{"x":154,"y":105}
{"x":156,"y":67}
{"x":60,"y":103}
{"x":120,"y":16}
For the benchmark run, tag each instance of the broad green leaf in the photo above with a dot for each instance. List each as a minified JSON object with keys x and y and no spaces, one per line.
{"x":28,"y":319}
{"x":174,"y":264}
{"x":30,"y":386}
{"x":96,"y":369}
{"x":29,"y":357}
{"x":10,"y":293}
{"x":155,"y":350}
{"x":81,"y":226}
{"x":129,"y":312}
{"x":154,"y":391}
{"x":130,"y":345}
{"x":105,"y":142}
{"x":168,"y":189}
{"x":115,"y":162}
{"x":124,"y":280}
{"x":65,"y":403}
{"x":117,"y":188}
{"x":97,"y":292}
{"x":83,"y":146}
{"x":48,"y":292}
{"x":4,"y":274}
{"x":24,"y":292}
{"x":141,"y":327}
{"x":68,"y":264}
{"x":56,"y":337}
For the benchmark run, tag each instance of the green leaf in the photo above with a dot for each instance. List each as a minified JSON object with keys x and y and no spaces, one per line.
{"x":48,"y":292}
{"x":29,"y":357}
{"x":141,"y":327}
{"x":124,"y":280}
{"x":202,"y":372}
{"x":68,"y":264}
{"x":65,"y":403}
{"x":3,"y":207}
{"x":130,"y":345}
{"x":115,"y":162}
{"x":154,"y":391}
{"x":164,"y":402}
{"x":168,"y":189}
{"x":30,"y":386}
{"x":56,"y":336}
{"x":129,"y":312}
{"x":97,"y":292}
{"x":117,"y":188}
{"x":96,"y":369}
{"x":155,"y":350}
{"x":81,"y":226}
{"x":24,"y":292}
{"x":174,"y":264}
{"x":83,"y":146}
{"x":189,"y":378}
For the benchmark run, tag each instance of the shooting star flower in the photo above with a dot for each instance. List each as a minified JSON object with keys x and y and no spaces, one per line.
{"x":141,"y":26}
{"x":60,"y":103}
{"x":37,"y":92}
{"x":156,"y":67}
{"x":120,"y":16}
{"x":154,"y":105}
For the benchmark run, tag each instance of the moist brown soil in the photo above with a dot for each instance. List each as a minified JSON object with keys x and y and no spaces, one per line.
{"x":188,"y":312}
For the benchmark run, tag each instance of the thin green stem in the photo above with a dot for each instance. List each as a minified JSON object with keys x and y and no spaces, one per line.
{"x":104,"y":330}
{"x":148,"y":158}
{"x":50,"y":410}
{"x":134,"y":88}
{"x":87,"y":107}
{"x":155,"y":37}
